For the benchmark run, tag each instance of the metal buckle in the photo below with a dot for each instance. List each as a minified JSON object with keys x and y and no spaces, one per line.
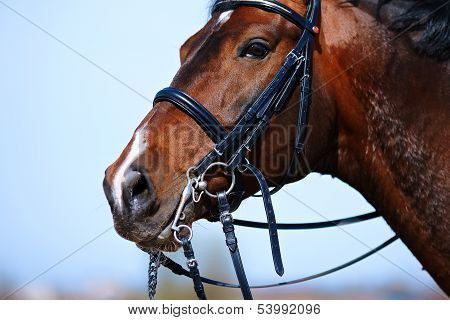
{"x":191,"y":263}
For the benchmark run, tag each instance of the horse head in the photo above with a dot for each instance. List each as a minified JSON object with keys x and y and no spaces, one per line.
{"x":225,"y":66}
{"x":365,"y":126}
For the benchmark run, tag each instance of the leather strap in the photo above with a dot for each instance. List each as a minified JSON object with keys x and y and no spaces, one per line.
{"x":271,"y":220}
{"x":285,"y":179}
{"x":308,"y":225}
{"x":194,"y":273}
{"x":305,"y":89}
{"x":267,"y":5}
{"x":230,"y":238}
{"x":195,"y":110}
{"x":178,"y":269}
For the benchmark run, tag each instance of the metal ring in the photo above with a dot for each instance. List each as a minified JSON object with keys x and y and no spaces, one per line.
{"x":219,"y":164}
{"x":181,"y":226}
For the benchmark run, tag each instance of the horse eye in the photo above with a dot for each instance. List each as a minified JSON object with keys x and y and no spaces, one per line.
{"x":255,"y":50}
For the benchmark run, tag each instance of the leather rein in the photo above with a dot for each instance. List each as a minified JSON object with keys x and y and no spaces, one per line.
{"x":230,"y":156}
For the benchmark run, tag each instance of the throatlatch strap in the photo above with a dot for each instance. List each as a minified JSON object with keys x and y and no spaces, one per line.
{"x":271,"y":220}
{"x":193,"y":269}
{"x":230,"y":238}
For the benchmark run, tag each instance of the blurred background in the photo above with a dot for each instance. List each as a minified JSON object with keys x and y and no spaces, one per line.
{"x":76,"y":78}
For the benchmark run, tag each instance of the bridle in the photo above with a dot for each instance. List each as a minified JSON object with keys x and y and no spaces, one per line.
{"x":230,"y":155}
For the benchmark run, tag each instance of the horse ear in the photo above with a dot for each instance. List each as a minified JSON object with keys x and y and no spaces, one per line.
{"x":184,"y":50}
{"x":193,"y":42}
{"x":188,"y":45}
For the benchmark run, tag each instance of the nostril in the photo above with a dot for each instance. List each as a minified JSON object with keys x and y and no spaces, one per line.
{"x":140,"y":185}
{"x":136,"y":191}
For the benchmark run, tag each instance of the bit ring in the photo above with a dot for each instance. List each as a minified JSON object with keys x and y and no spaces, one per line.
{"x":219,"y":164}
{"x":177,"y":231}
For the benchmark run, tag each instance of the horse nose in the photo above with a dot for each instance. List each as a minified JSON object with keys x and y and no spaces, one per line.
{"x":138,"y":193}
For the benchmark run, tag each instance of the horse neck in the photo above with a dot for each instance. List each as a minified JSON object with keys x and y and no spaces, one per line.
{"x":387,"y":147}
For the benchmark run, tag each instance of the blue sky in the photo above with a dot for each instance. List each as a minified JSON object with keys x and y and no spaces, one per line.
{"x":63,"y":119}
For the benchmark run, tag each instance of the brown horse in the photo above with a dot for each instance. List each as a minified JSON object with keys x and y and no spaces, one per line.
{"x":379,"y":119}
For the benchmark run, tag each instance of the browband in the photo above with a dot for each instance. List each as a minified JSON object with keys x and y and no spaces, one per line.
{"x":271,"y":6}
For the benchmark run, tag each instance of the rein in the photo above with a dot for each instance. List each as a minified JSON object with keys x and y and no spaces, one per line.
{"x":230,"y":156}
